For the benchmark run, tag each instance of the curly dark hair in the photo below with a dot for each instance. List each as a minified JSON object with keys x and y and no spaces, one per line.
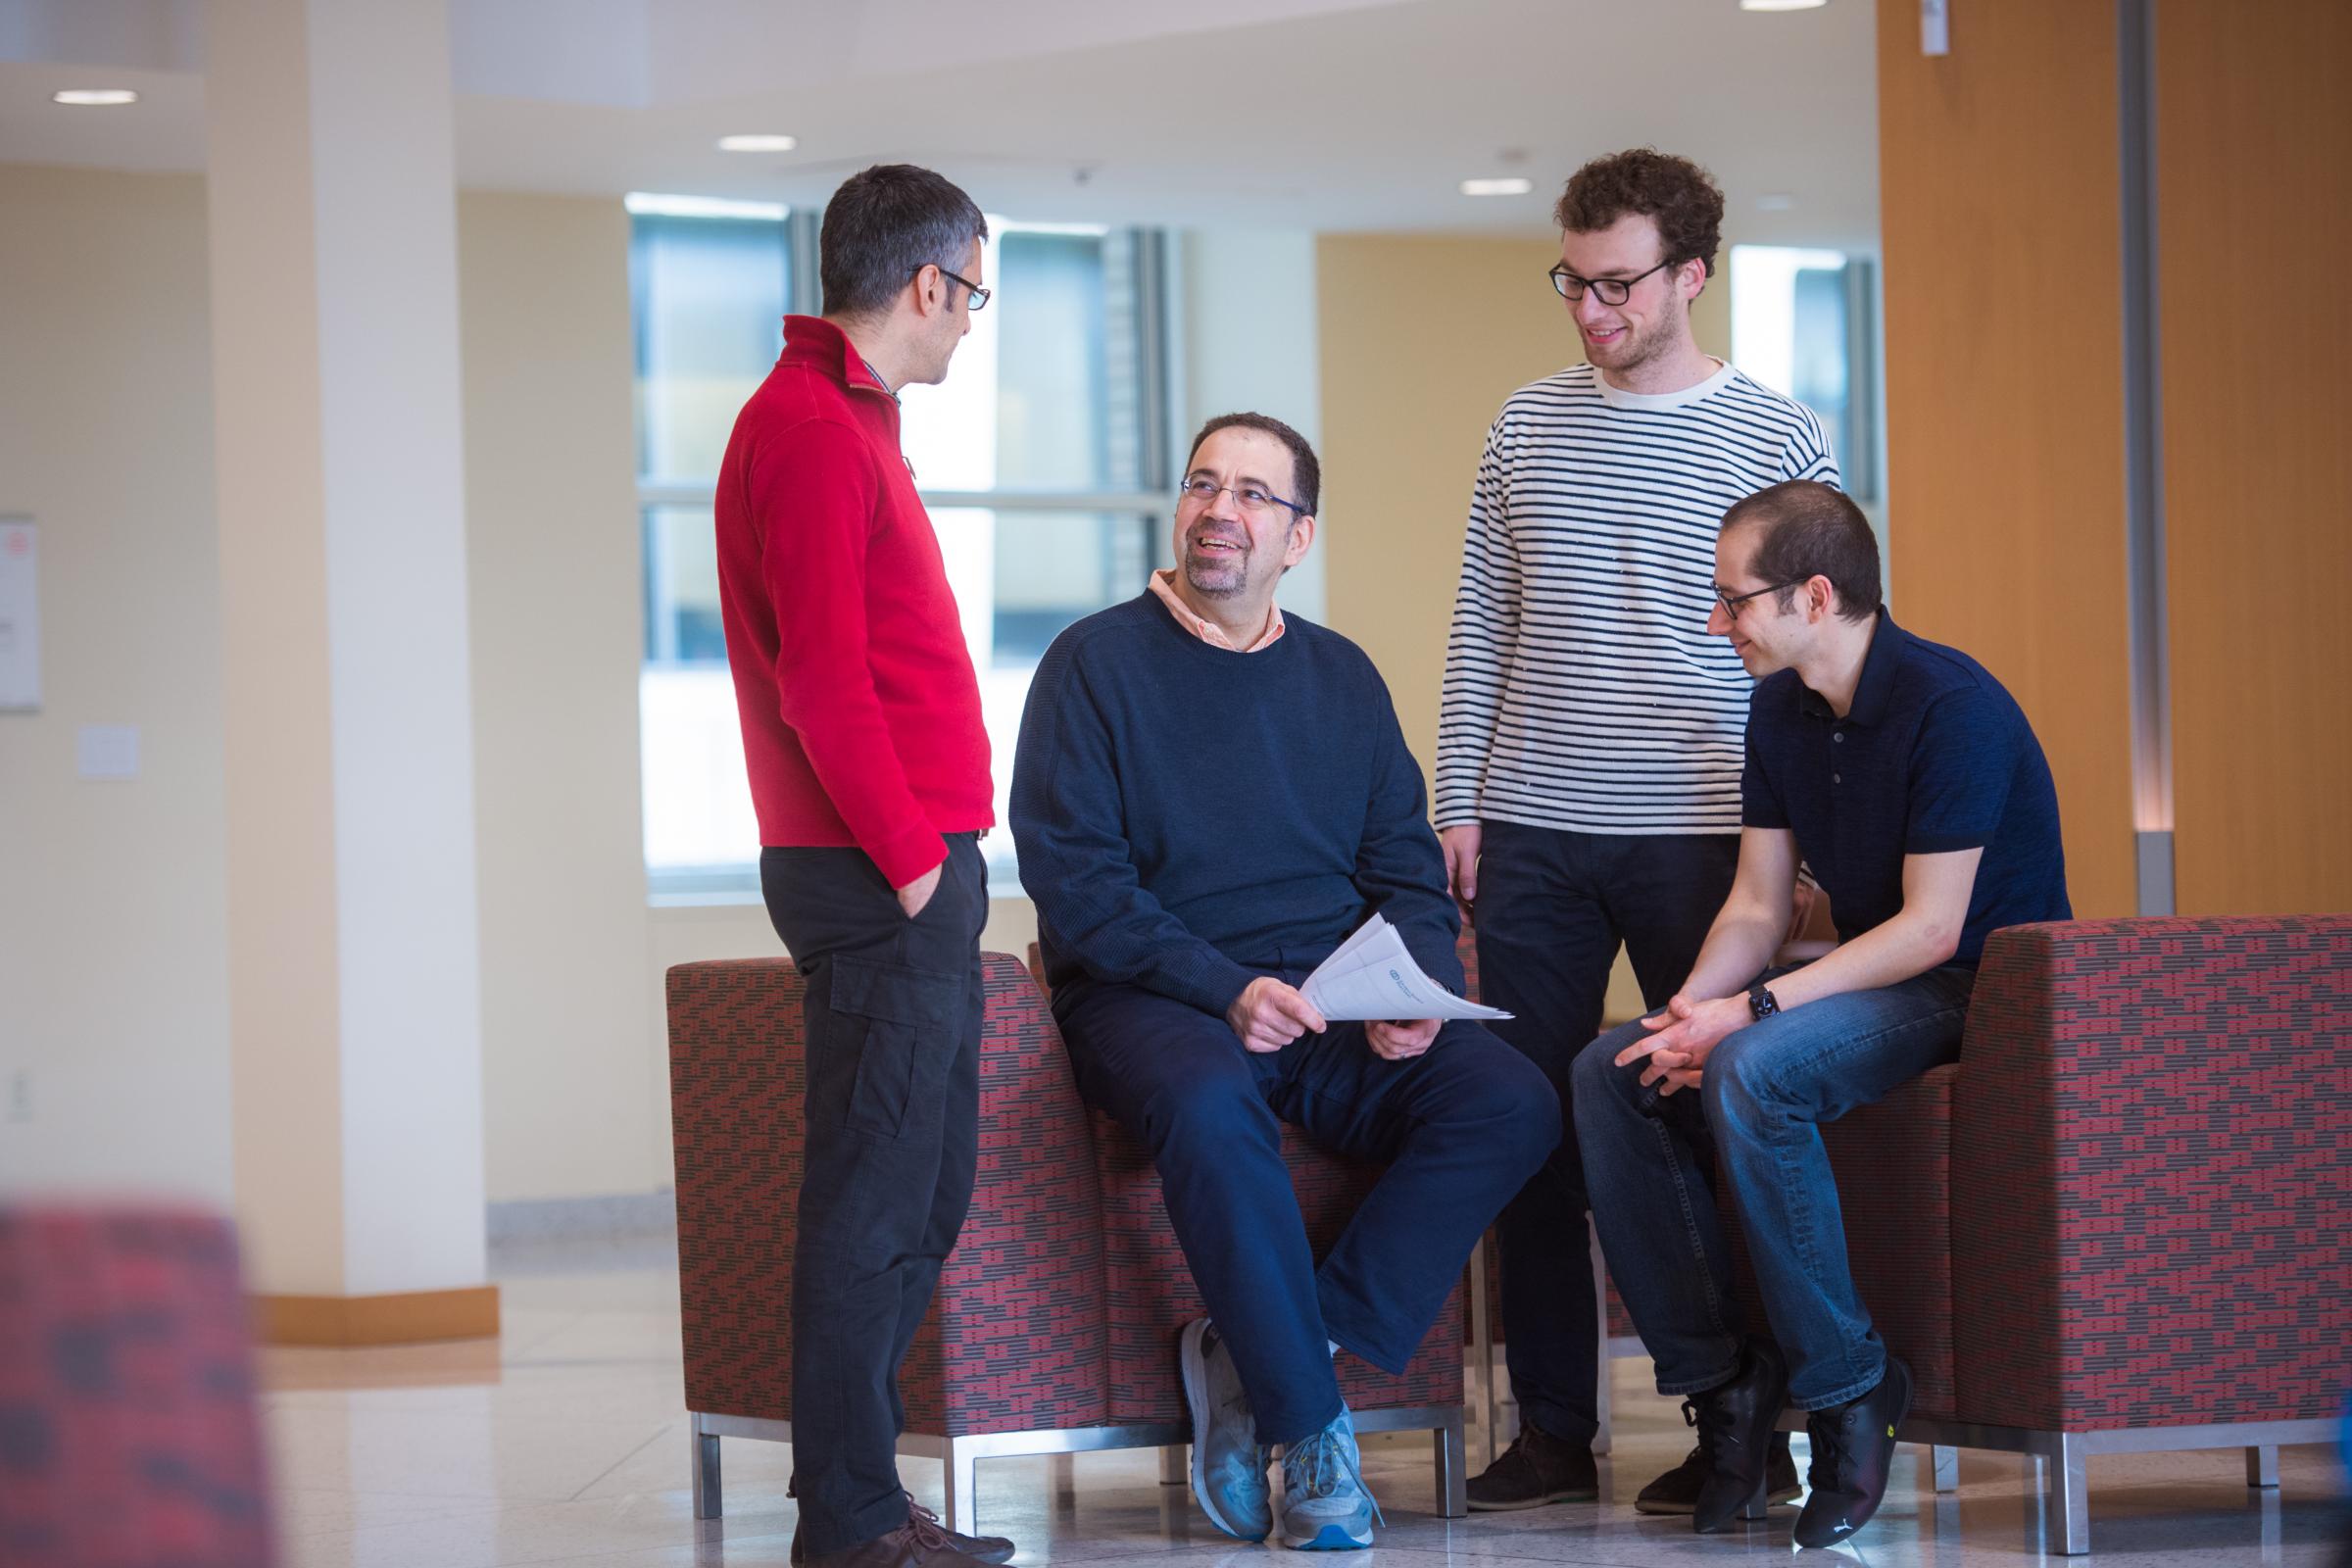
{"x":1681,"y":197}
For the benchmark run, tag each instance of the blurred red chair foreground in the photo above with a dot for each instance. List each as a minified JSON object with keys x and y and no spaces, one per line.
{"x":1053,"y":1328}
{"x":128,"y":1434}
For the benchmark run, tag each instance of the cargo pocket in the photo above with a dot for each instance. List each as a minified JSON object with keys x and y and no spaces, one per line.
{"x":896,"y":1025}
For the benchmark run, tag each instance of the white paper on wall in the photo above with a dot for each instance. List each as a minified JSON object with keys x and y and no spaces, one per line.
{"x":19,"y":616}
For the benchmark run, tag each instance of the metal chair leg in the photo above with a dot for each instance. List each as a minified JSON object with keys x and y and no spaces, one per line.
{"x":2066,"y":1495}
{"x":2262,"y":1466}
{"x":1601,"y":1316}
{"x":1175,"y":1470}
{"x":1482,"y":1343}
{"x":703,"y":1468}
{"x":1451,"y":1456}
{"x":961,"y":1489}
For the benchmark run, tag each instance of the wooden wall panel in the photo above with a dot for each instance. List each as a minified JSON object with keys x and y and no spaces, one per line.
{"x":2000,"y":215}
{"x":2253,"y":144}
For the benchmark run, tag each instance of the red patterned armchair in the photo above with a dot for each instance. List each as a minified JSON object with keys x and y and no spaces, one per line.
{"x":2123,"y":1220}
{"x":127,"y":1426}
{"x":1054,"y":1327}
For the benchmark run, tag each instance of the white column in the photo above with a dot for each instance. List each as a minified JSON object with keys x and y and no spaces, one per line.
{"x":355,"y":983}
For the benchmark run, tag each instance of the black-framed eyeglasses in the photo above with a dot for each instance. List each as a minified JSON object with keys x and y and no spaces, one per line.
{"x":1249,"y":497}
{"x":979,"y":295}
{"x":1731,"y":602}
{"x":1612,"y":290}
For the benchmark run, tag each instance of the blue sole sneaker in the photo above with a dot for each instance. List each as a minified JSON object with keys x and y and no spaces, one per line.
{"x":1325,"y":1504}
{"x":1229,"y":1467}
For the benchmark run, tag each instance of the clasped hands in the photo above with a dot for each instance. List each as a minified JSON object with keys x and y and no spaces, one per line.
{"x":1269,"y":1014}
{"x":1682,"y":1036}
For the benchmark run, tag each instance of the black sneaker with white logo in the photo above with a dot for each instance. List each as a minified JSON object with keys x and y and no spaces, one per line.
{"x":1853,"y":1447}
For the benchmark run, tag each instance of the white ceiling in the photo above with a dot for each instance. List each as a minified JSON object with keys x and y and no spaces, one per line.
{"x":1323,"y":114}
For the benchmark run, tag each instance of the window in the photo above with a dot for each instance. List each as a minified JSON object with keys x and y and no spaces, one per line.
{"x":1041,"y":460}
{"x":1803,"y":324}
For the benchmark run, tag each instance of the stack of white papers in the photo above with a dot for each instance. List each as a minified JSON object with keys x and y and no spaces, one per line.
{"x":1371,"y":975}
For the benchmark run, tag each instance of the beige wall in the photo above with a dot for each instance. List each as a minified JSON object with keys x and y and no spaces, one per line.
{"x":1422,"y":338}
{"x":114,"y":982}
{"x":113,"y":960}
{"x":570,"y":1103}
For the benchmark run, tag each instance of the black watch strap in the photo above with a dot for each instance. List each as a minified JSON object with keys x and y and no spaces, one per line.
{"x":1761,"y":1003}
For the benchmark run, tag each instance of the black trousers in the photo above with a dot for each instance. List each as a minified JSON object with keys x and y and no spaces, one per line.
{"x":1552,"y":907}
{"x":893,"y":1137}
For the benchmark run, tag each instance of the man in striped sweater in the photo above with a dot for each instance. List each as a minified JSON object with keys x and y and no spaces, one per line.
{"x":1589,"y":747}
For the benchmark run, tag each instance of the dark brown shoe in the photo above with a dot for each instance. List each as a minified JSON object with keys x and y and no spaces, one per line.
{"x":1538,"y":1468}
{"x":921,"y":1540}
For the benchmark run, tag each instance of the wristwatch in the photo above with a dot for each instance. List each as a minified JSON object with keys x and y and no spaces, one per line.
{"x":1761,"y":1003}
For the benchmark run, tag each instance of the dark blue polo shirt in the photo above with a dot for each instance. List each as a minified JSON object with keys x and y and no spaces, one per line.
{"x":1934,"y":755}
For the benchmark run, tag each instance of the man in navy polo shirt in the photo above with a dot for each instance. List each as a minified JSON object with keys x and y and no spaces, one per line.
{"x":1911,"y":783}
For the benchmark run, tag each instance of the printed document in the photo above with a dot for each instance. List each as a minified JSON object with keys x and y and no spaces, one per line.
{"x":1371,"y":975}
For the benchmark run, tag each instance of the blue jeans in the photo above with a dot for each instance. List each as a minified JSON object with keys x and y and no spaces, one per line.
{"x":1460,"y":1127}
{"x":1767,"y":1090}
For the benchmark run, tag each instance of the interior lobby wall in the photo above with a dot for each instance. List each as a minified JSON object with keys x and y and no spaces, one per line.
{"x":2004,"y":387}
{"x":2254,"y":134}
{"x":113,"y":965}
{"x":570,"y":1103}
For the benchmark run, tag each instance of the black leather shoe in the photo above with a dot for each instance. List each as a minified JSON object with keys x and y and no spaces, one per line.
{"x":1536,"y":1469}
{"x":1736,"y":1422}
{"x":927,"y":1539}
{"x":1677,"y":1491}
{"x":1853,"y":1444}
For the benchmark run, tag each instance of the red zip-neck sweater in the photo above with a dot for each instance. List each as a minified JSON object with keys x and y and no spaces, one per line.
{"x":860,"y":712}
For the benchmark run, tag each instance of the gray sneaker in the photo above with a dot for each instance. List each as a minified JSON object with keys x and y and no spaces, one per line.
{"x":1229,"y":1467}
{"x":1325,"y":1503}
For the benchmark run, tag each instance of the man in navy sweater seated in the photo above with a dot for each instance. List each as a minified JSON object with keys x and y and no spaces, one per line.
{"x":1208,"y":797}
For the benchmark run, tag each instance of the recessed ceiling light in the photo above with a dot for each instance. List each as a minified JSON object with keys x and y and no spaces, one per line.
{"x":95,"y":97}
{"x":1781,"y":5}
{"x":1512,"y":186}
{"x":655,"y":204}
{"x":758,"y":144}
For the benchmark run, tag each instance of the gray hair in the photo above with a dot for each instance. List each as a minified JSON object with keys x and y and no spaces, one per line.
{"x":885,"y":225}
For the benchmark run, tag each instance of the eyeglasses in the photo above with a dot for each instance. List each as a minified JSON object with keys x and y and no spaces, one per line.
{"x":979,"y":300}
{"x":1612,"y":290}
{"x":1249,"y":497}
{"x":1731,"y":602}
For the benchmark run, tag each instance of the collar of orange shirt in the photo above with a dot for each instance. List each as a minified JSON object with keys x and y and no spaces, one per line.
{"x":1163,"y":584}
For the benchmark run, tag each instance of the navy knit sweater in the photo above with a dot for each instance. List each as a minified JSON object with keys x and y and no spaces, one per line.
{"x":1188,"y":818}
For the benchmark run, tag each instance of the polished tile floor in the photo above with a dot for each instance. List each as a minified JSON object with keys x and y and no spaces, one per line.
{"x":566,"y":1443}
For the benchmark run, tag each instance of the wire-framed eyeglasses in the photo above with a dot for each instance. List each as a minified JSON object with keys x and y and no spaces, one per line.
{"x":1612,"y":290}
{"x":1250,"y":497}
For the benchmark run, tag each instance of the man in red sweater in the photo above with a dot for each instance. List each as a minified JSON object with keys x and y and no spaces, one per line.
{"x":868,"y":763}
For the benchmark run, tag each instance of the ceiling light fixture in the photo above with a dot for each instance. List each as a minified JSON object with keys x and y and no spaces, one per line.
{"x":95,"y":97}
{"x":655,"y":204}
{"x":1776,"y":202}
{"x":758,"y":144}
{"x":1781,"y":5}
{"x":1512,"y":186}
